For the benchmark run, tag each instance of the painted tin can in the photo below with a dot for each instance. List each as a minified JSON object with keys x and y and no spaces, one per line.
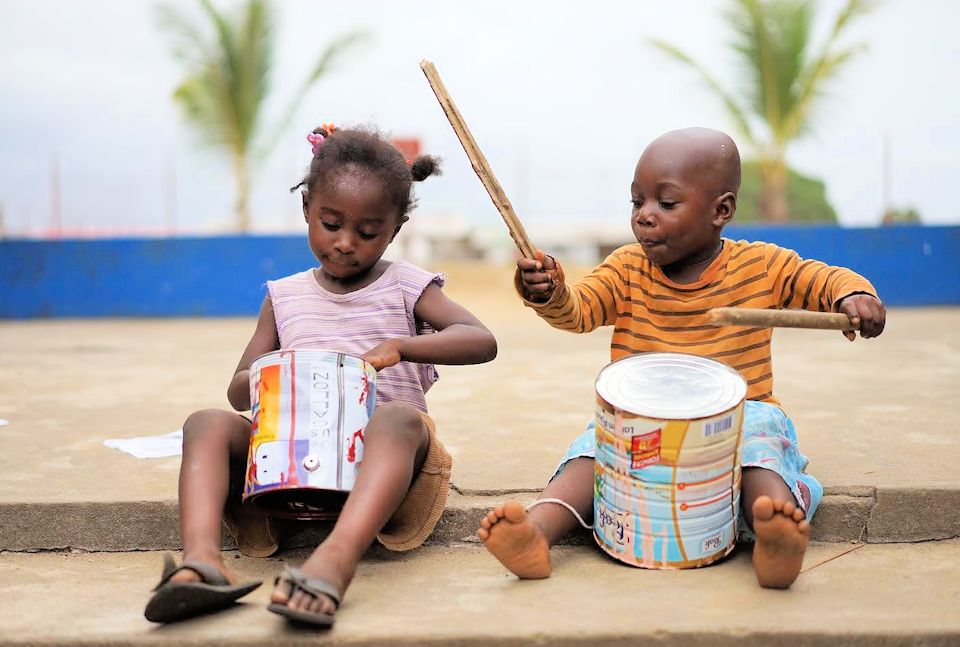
{"x":310,"y":408}
{"x":667,"y":468}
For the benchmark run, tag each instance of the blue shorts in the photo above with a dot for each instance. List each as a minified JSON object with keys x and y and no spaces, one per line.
{"x":769,"y":442}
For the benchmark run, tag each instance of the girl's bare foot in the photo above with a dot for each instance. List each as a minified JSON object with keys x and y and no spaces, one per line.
{"x":782,"y":534}
{"x":517,"y":542}
{"x":188,"y":575}
{"x":325,"y":563}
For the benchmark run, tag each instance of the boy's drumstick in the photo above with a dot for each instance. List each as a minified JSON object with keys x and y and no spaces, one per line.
{"x":780,"y":318}
{"x":478,"y":161}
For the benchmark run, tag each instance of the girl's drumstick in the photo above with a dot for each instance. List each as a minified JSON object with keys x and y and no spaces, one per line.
{"x":780,"y":318}
{"x":478,"y":161}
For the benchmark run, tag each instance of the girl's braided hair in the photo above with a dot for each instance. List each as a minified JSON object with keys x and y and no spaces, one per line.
{"x":368,"y":149}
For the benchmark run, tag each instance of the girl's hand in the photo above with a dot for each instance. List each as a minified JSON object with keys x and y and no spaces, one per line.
{"x":385,"y":354}
{"x":538,"y":276}
{"x":866,"y":312}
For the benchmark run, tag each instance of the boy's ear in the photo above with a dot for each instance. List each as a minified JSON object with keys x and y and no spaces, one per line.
{"x":303,"y":195}
{"x":726,"y":207}
{"x":396,"y":231}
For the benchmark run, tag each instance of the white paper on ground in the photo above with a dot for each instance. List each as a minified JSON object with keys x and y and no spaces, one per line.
{"x":2,"y":422}
{"x":150,"y":446}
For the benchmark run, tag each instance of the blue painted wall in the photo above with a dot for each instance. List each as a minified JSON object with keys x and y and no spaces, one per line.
{"x":223,"y":276}
{"x":167,"y":277}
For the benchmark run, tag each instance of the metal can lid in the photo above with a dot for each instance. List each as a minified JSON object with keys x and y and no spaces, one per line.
{"x":670,"y":386}
{"x":314,"y":355}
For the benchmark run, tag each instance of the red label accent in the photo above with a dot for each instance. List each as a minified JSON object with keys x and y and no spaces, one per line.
{"x":645,"y":449}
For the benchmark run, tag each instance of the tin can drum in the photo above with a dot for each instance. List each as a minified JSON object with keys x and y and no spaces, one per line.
{"x":667,"y":485}
{"x":310,"y":409}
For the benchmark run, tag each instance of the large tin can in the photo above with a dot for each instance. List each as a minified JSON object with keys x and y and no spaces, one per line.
{"x":310,"y":409}
{"x":667,"y":486}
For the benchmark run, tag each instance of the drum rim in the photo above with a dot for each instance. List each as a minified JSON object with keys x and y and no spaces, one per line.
{"x":261,"y":359}
{"x":740,"y":382}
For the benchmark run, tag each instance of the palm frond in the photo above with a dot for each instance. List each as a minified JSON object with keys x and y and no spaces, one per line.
{"x":814,"y":86}
{"x":771,"y":39}
{"x":325,"y":62}
{"x":825,"y":66}
{"x":734,"y":109}
{"x":188,"y":43}
{"x":225,"y":77}
{"x":254,"y":58}
{"x":202,"y":107}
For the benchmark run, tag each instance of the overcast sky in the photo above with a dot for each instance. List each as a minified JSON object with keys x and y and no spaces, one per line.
{"x":561,"y":96}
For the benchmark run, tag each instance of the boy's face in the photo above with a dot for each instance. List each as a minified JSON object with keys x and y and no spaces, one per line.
{"x":679,"y":207}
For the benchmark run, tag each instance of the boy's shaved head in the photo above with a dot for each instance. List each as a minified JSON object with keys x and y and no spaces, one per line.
{"x":707,"y":154}
{"x":684,"y":192}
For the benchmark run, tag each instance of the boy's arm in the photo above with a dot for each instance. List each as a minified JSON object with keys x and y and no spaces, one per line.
{"x":814,"y":285}
{"x":591,"y":302}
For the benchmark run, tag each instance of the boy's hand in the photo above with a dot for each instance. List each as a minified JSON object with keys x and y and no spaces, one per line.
{"x":865,"y":311}
{"x":384,"y":354}
{"x":538,"y":276}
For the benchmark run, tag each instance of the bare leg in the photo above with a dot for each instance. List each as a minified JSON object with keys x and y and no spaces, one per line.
{"x":522,"y":541}
{"x":395,"y":446}
{"x":782,"y":531}
{"x":215,"y":446}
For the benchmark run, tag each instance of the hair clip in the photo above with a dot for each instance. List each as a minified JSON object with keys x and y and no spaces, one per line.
{"x":329,"y":128}
{"x":316,"y":140}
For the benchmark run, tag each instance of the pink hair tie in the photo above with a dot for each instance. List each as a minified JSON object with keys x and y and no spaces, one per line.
{"x":316,"y":140}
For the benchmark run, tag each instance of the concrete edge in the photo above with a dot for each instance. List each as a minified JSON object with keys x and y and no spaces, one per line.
{"x":885,"y":515}
{"x":914,"y":514}
{"x":720,"y":638}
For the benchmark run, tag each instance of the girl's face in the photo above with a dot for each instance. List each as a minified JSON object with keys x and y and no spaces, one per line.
{"x":350,"y":222}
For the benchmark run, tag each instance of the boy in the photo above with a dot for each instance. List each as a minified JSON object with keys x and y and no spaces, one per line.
{"x":656,"y":293}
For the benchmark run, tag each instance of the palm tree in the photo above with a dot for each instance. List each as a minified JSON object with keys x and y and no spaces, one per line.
{"x":227,"y":82}
{"x":782,"y":80}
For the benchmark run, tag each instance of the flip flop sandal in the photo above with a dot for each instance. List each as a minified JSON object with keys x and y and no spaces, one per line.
{"x":314,"y":586}
{"x":252,"y":541}
{"x":174,"y":601}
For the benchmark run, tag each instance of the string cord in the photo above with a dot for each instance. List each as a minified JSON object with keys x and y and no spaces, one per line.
{"x":565,"y":505}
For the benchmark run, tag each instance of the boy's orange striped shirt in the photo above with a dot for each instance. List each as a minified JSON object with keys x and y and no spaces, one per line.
{"x":650,"y":312}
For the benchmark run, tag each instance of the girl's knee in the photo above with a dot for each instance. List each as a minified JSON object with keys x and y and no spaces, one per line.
{"x":398,"y":420}
{"x":208,"y":423}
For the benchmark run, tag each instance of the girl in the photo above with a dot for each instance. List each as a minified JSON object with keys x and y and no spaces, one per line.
{"x":356,"y":196}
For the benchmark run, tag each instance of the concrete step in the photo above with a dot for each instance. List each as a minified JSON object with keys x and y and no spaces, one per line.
{"x":900,"y":594}
{"x":873,"y":417}
{"x":873,"y":515}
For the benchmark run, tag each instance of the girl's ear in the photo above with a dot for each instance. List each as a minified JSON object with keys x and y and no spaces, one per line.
{"x":724,"y":209}
{"x":396,"y":231}
{"x":303,"y":195}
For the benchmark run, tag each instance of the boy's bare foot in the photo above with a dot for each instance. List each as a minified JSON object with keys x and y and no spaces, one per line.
{"x":781,"y":542}
{"x":517,"y":542}
{"x":327,"y":564}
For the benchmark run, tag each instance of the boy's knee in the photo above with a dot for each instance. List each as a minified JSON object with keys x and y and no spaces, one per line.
{"x":399,"y":420}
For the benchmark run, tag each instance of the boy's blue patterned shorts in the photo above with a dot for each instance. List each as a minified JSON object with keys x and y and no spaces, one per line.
{"x":769,"y":441}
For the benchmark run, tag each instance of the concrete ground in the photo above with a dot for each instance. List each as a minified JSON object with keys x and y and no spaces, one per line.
{"x":876,"y":418}
{"x":875,"y":595}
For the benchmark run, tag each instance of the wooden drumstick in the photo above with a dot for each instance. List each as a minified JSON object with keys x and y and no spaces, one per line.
{"x":478,"y":161}
{"x":780,"y":318}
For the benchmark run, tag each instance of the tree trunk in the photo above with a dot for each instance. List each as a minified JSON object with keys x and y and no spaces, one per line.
{"x":773,"y":191}
{"x":241,"y":205}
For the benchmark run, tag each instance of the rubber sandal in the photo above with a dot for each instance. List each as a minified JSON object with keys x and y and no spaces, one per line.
{"x":314,"y":586}
{"x":174,"y":601}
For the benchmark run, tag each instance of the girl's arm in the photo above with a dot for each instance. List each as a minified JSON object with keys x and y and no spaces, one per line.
{"x":460,"y":337}
{"x":264,"y":340}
